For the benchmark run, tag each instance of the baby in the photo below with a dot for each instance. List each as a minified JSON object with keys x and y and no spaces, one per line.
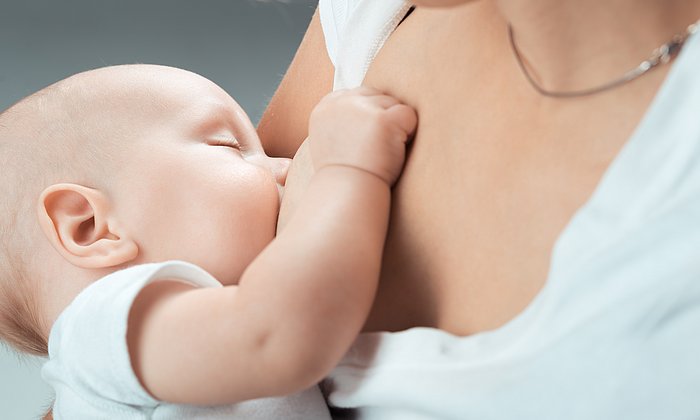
{"x":138,"y":249}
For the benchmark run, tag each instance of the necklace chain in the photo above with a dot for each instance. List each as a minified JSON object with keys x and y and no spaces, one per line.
{"x":659,"y":56}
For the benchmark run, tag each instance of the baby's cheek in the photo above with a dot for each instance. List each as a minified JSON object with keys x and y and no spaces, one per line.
{"x":257,"y":211}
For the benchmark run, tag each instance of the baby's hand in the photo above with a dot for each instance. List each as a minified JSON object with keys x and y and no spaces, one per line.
{"x":361,"y":128}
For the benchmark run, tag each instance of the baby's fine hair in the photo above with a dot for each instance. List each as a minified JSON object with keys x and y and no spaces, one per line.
{"x":46,"y":138}
{"x":20,"y":325}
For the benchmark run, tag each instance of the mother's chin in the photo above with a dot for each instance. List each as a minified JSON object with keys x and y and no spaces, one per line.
{"x":298,"y":178}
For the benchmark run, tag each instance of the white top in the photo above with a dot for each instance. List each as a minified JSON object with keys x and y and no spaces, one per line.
{"x":355,"y":30}
{"x":90,"y":370}
{"x":615,"y":332}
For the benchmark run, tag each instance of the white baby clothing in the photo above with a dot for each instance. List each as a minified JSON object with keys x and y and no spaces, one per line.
{"x":615,"y":332}
{"x":90,"y":369}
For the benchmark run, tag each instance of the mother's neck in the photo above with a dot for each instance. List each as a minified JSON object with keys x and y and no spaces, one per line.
{"x":577,"y":44}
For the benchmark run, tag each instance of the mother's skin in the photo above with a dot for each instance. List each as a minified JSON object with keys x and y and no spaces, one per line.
{"x":496,"y":170}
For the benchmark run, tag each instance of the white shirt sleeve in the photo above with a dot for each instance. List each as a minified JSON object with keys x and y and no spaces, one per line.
{"x":89,"y":365}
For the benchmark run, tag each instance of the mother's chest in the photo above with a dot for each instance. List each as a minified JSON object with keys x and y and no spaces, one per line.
{"x":486,"y":190}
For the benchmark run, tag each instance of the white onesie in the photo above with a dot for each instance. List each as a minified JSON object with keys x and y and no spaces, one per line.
{"x":615,"y":332}
{"x":90,"y":370}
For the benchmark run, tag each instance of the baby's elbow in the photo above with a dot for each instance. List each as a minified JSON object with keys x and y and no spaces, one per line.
{"x":298,"y":366}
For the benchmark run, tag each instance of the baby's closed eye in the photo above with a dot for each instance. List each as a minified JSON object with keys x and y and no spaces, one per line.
{"x":231,"y":142}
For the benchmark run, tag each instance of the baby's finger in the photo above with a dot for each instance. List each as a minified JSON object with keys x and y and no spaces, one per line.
{"x":364,"y":91}
{"x":404,"y":116}
{"x":384,"y":101}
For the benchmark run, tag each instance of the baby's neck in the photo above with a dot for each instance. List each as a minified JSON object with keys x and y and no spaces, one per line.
{"x":60,"y":282}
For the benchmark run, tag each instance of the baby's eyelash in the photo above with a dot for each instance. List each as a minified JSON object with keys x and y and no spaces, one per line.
{"x":229,"y":142}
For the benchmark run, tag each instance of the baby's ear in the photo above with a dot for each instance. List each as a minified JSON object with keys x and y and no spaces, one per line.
{"x":80,"y":225}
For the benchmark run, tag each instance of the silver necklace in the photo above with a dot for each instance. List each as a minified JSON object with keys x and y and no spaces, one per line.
{"x":659,"y":56}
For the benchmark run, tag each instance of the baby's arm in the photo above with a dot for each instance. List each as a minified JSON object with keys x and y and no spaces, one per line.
{"x":303,"y":300}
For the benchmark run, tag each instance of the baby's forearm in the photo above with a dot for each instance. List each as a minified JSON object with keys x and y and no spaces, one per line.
{"x":312,"y":288}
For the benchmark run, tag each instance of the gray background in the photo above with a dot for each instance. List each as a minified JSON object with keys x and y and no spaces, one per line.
{"x":242,"y":45}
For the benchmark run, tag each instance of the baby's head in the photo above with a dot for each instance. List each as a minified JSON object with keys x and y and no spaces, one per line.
{"x":120,"y":166}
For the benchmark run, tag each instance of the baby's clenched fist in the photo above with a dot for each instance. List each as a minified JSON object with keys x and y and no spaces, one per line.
{"x":361,"y":128}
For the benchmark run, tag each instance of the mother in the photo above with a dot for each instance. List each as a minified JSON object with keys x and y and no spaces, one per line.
{"x":545,"y":231}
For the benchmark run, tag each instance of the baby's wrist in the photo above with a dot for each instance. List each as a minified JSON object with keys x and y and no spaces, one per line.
{"x":348,"y":170}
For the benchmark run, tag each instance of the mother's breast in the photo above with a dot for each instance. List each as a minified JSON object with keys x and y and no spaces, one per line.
{"x":298,"y":179}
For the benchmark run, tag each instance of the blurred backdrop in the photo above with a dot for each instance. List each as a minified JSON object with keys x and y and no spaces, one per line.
{"x":242,"y":45}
